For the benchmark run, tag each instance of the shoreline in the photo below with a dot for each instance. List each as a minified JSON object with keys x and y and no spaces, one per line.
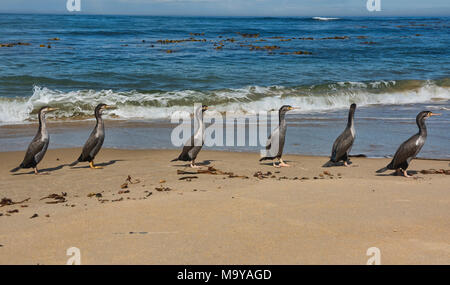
{"x":304,"y":214}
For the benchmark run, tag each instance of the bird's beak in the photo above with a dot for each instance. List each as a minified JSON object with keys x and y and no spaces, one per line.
{"x":293,"y":108}
{"x":434,"y":114}
{"x":52,"y":109}
{"x":109,"y":107}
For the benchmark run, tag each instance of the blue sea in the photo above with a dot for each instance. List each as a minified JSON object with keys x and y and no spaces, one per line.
{"x":153,"y":67}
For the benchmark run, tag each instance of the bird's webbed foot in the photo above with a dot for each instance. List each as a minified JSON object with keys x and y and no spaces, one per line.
{"x":193,"y":165}
{"x":92,"y":166}
{"x":283,"y":164}
{"x":405,"y":174}
{"x":36,"y":172}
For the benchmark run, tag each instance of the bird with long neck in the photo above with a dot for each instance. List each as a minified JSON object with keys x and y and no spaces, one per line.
{"x":38,"y":146}
{"x":408,"y":150}
{"x":195,"y":143}
{"x":275,"y":143}
{"x":95,"y":141}
{"x":344,"y":142}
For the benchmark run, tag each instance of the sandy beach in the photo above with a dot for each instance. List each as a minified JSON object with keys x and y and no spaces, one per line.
{"x":296,"y":215}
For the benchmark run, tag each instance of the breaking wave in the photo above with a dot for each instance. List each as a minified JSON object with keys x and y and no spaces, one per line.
{"x":80,"y":104}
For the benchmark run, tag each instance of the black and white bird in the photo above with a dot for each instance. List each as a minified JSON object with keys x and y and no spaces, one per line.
{"x":275,"y":143}
{"x":95,"y":140}
{"x":343,"y":144}
{"x":38,"y":146}
{"x":410,"y":148}
{"x":195,"y":143}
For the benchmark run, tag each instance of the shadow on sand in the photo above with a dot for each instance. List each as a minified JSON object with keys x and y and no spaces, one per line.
{"x":47,"y":171}
{"x":203,"y":163}
{"x":103,"y":164}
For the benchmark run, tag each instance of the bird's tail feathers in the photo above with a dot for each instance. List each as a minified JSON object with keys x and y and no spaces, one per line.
{"x":16,"y":169}
{"x":382,"y":170}
{"x":266,"y":158}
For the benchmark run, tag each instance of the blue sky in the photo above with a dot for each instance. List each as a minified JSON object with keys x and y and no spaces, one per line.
{"x":234,"y":7}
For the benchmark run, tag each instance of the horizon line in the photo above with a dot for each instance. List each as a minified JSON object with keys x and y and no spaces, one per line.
{"x":371,"y":15}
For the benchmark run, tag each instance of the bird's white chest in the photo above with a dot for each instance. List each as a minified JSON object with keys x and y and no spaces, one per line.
{"x":419,"y":141}
{"x":352,"y":131}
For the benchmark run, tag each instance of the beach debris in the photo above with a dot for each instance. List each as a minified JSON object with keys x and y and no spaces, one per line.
{"x":1,"y":214}
{"x":56,"y":197}
{"x":148,"y":194}
{"x":98,"y":195}
{"x":188,"y":178}
{"x":169,"y":51}
{"x":140,"y":233}
{"x":117,"y":200}
{"x":34,"y":216}
{"x":434,"y":171}
{"x":54,"y":39}
{"x":7,"y":202}
{"x":129,"y":180}
{"x":163,"y":189}
{"x":132,"y":181}
{"x":368,"y":43}
{"x":261,"y":175}
{"x":47,"y":216}
{"x":182,"y":172}
{"x":12,"y":211}
{"x":162,"y":181}
{"x":213,"y":171}
{"x":123,"y":191}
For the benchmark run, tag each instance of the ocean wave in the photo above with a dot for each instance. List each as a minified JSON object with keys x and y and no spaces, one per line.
{"x":324,"y":19}
{"x":80,"y":104}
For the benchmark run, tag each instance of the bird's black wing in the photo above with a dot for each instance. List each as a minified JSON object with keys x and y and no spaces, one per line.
{"x":35,"y":152}
{"x":184,"y":155}
{"x":89,"y":146}
{"x":341,"y":145}
{"x":405,"y":152}
{"x":272,"y":141}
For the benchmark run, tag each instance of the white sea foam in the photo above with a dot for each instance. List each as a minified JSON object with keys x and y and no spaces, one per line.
{"x":248,"y":100}
{"x":324,"y":18}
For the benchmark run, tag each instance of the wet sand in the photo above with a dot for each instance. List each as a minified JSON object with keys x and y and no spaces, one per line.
{"x":289,"y":217}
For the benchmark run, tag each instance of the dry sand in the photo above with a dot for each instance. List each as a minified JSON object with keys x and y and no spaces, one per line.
{"x":215,"y":219}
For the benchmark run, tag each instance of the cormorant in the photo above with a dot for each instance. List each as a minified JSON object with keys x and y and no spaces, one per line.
{"x":410,"y":148}
{"x":38,"y":146}
{"x":193,"y":146}
{"x":95,"y":140}
{"x":343,"y":144}
{"x":275,"y":143}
